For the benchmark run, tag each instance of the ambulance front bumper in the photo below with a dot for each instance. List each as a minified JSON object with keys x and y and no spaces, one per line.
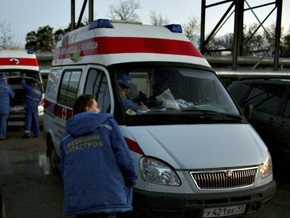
{"x":165,"y":204}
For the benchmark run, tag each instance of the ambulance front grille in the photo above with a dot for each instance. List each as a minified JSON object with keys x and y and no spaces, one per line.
{"x":224,"y":179}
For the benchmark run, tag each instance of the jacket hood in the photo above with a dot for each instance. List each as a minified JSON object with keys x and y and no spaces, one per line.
{"x":85,"y":123}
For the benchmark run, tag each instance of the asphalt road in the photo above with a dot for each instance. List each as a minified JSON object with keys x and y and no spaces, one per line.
{"x":29,"y":190}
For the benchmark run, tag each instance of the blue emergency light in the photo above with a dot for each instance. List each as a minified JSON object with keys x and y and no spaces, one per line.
{"x":175,"y":28}
{"x":30,"y":52}
{"x":100,"y":23}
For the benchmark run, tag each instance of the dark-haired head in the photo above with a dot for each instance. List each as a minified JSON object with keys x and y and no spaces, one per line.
{"x":82,"y":103}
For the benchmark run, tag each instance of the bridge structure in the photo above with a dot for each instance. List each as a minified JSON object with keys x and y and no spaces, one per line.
{"x":234,"y":66}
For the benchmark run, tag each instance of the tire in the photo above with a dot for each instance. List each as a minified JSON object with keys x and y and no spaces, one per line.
{"x":54,"y":162}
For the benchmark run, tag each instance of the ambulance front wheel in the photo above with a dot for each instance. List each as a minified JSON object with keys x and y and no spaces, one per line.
{"x":54,"y":162}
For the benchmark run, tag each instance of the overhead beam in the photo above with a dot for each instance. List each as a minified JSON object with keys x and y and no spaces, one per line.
{"x":238,"y":44}
{"x":277,"y":33}
{"x":72,"y":14}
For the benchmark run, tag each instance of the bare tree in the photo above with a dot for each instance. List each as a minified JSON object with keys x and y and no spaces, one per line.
{"x":125,"y":11}
{"x":158,"y":20}
{"x":254,"y":42}
{"x":191,"y":29}
{"x":5,"y":35}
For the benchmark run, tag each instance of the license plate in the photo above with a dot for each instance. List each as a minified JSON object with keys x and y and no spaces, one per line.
{"x":224,"y":211}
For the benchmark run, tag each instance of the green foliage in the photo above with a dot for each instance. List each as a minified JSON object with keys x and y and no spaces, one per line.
{"x":285,"y":47}
{"x":42,"y":40}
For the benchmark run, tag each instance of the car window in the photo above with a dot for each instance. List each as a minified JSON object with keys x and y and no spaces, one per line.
{"x":239,"y":91}
{"x":177,"y":90}
{"x":52,"y":84}
{"x":69,"y":86}
{"x":18,"y":73}
{"x":97,"y":85}
{"x":266,"y":97}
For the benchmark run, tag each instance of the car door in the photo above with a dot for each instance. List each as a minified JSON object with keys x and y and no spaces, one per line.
{"x":97,"y":84}
{"x":267,"y":99}
{"x":282,"y":131}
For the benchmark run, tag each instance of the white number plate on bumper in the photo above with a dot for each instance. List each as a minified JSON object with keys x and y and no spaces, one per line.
{"x":224,"y":211}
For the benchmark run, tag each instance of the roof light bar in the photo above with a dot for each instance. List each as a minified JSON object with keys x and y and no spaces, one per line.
{"x":175,"y":28}
{"x":30,"y":52}
{"x":100,"y":23}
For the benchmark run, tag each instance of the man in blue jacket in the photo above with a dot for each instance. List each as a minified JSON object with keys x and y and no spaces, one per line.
{"x":6,"y":93}
{"x":97,"y":167}
{"x":126,"y":84}
{"x":33,"y":98}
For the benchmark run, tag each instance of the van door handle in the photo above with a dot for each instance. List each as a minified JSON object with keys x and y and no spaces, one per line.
{"x":271,"y":120}
{"x":282,"y":123}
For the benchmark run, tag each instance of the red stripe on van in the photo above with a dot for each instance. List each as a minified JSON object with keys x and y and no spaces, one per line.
{"x":63,"y":112}
{"x":19,"y":61}
{"x":58,"y":110}
{"x":118,"y":45}
{"x":133,"y":146}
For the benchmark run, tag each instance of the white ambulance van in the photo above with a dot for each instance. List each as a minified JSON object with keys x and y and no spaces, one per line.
{"x":13,"y":63}
{"x":195,"y":153}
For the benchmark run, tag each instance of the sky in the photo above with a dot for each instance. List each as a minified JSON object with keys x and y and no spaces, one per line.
{"x":24,"y":16}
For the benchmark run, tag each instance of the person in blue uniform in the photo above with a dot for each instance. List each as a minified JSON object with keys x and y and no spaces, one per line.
{"x":32,"y":100}
{"x":97,"y":168}
{"x":6,"y":93}
{"x":125,"y":84}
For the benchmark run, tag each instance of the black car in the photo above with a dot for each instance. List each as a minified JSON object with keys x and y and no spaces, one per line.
{"x":270,"y":117}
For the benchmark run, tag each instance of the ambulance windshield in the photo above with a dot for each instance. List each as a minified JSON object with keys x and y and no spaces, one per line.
{"x":173,"y":90}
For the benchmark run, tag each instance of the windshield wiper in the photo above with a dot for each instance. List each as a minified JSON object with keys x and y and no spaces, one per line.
{"x":215,"y":114}
{"x":195,"y":108}
{"x":225,"y":116}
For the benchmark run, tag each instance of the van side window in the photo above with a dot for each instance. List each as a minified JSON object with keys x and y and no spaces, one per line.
{"x":68,"y":87}
{"x":52,"y":84}
{"x":97,"y":86}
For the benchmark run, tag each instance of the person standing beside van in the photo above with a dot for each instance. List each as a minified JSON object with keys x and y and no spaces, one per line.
{"x":96,"y":165}
{"x":6,"y":93}
{"x":33,"y":97}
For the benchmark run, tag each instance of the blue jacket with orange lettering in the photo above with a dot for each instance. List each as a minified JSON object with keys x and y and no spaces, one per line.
{"x":97,"y":167}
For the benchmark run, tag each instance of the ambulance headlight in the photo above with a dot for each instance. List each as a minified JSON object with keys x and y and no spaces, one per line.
{"x":267,"y":167}
{"x":155,"y":171}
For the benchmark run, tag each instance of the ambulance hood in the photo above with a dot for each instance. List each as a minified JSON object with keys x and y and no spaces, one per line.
{"x":201,"y":146}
